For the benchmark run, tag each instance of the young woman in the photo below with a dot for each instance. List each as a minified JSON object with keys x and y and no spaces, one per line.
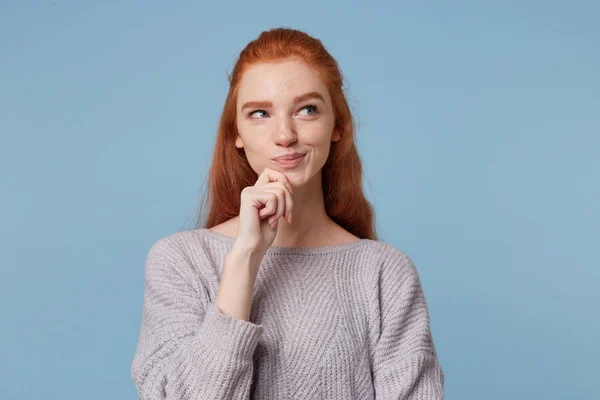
{"x":284,"y":292}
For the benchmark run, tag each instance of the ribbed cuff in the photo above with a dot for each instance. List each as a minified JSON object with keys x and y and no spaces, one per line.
{"x":234,"y":337}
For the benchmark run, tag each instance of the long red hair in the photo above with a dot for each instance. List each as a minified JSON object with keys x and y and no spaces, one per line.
{"x":230,"y":172}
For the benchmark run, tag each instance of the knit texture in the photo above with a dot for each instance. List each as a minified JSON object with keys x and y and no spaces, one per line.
{"x":347,"y":321}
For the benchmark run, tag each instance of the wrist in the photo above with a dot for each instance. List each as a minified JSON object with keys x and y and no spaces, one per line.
{"x":245,"y":254}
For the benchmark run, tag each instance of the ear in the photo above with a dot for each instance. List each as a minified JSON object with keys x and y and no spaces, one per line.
{"x":336,"y":137}
{"x":238,"y":142}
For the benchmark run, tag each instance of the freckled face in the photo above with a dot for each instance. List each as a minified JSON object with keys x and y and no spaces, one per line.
{"x":284,"y":107}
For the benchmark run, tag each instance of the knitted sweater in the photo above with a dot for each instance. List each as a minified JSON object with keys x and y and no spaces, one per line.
{"x":346,"y":321}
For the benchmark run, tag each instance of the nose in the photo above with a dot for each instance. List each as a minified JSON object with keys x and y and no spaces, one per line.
{"x":286,"y":133}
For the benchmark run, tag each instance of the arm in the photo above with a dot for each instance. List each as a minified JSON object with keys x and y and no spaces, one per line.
{"x":405,"y":363}
{"x":188,"y":349}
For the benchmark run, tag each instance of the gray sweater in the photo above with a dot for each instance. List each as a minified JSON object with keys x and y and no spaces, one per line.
{"x":347,"y":321}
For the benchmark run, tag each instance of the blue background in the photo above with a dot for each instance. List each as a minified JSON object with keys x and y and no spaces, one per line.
{"x":478,"y":125}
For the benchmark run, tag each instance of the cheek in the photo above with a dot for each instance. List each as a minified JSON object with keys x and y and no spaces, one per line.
{"x":256,"y":149}
{"x":317,"y":133}
{"x":254,"y":139}
{"x":320,"y":139}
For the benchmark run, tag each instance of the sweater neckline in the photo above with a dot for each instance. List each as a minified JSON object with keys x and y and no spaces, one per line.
{"x":291,"y":250}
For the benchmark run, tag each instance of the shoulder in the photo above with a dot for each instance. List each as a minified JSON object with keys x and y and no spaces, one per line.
{"x":174,"y":244}
{"x":184,"y":249}
{"x":393,"y":258}
{"x":386,"y":254}
{"x":190,"y":257}
{"x":396,"y":285}
{"x":390,"y":264}
{"x":168,"y":255}
{"x":189,"y":241}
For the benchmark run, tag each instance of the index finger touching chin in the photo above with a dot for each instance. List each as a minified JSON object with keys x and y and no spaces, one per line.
{"x":270,"y":175}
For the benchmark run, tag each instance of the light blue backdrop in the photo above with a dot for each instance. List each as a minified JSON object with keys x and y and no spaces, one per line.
{"x":479,"y":129}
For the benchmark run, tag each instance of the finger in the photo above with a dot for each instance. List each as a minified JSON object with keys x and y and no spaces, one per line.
{"x":288,"y":203}
{"x":271,"y":205}
{"x":264,"y":202}
{"x":280,"y":193}
{"x":270,"y":175}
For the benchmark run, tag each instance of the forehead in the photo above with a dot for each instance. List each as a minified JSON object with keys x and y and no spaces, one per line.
{"x":281,"y":80}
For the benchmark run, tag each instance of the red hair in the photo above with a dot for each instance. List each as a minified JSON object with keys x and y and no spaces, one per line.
{"x":230,"y":172}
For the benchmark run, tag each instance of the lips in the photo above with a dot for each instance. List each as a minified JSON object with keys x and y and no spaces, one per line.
{"x":289,"y":157}
{"x":287,"y":162}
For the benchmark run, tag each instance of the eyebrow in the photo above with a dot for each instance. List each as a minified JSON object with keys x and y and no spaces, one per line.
{"x":297,"y":99}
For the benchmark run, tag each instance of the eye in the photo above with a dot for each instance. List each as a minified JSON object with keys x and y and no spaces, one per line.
{"x":311,"y":106}
{"x":250,"y":114}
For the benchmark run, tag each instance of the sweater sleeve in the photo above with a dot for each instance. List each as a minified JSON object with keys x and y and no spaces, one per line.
{"x":186,"y":348}
{"x":404,"y":360}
